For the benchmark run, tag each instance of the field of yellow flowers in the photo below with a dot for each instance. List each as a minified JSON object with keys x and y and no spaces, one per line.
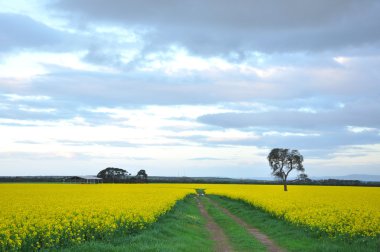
{"x":336,"y":210}
{"x":34,"y":216}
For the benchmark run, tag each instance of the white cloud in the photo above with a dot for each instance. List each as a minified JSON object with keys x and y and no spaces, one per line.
{"x":361,"y":129}
{"x":36,"y":110}
{"x":28,"y":65}
{"x":20,"y":69}
{"x":286,"y":134}
{"x":178,"y":61}
{"x":16,"y":97}
{"x":123,"y":35}
{"x":350,"y":157}
{"x":342,"y":60}
{"x":307,"y":110}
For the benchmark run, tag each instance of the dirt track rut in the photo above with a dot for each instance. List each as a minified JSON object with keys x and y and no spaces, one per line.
{"x":257,"y":234}
{"x":221,"y":241}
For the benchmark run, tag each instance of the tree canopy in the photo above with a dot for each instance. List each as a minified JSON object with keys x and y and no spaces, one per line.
{"x":142,"y":176}
{"x":283,"y":161}
{"x":303,"y":177}
{"x":112,"y":173}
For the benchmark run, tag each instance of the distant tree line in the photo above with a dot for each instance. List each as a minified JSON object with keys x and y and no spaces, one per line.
{"x":297,"y":181}
{"x":194,"y":180}
{"x":32,"y":179}
{"x":118,"y":175}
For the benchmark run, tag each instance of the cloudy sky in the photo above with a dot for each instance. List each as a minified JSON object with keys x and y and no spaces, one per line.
{"x":188,"y":88}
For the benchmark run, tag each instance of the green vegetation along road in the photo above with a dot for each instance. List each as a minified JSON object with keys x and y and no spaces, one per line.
{"x":213,"y":223}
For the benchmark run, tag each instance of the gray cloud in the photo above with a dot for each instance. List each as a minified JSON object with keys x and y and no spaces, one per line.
{"x":19,"y":31}
{"x":126,"y":89}
{"x":296,"y":88}
{"x":23,"y":32}
{"x":51,"y":110}
{"x":360,"y":113}
{"x":215,"y":27}
{"x":316,"y":145}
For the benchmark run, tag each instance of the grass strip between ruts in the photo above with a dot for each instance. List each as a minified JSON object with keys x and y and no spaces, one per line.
{"x":238,"y":236}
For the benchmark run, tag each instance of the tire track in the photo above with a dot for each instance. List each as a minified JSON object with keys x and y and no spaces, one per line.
{"x":221,"y":241}
{"x":256,"y":233}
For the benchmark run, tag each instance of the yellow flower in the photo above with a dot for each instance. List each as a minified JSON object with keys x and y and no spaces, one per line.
{"x":336,"y":210}
{"x":46,"y":215}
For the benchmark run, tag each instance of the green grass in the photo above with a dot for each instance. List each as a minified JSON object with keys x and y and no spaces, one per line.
{"x":182,"y":229}
{"x":291,"y":237}
{"x":238,"y":236}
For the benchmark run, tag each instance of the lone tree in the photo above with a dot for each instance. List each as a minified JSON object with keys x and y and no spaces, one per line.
{"x":112,"y":174}
{"x":283,"y":161}
{"x":142,"y":176}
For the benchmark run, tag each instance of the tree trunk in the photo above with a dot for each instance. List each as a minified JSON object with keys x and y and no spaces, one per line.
{"x":285,"y":186}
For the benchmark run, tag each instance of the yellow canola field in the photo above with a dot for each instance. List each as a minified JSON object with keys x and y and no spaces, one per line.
{"x":337,"y":210}
{"x":34,"y":216}
{"x":51,"y":215}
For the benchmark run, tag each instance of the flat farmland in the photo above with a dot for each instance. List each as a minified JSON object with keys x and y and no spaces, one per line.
{"x":336,"y":210}
{"x":78,"y":217}
{"x":51,"y":215}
